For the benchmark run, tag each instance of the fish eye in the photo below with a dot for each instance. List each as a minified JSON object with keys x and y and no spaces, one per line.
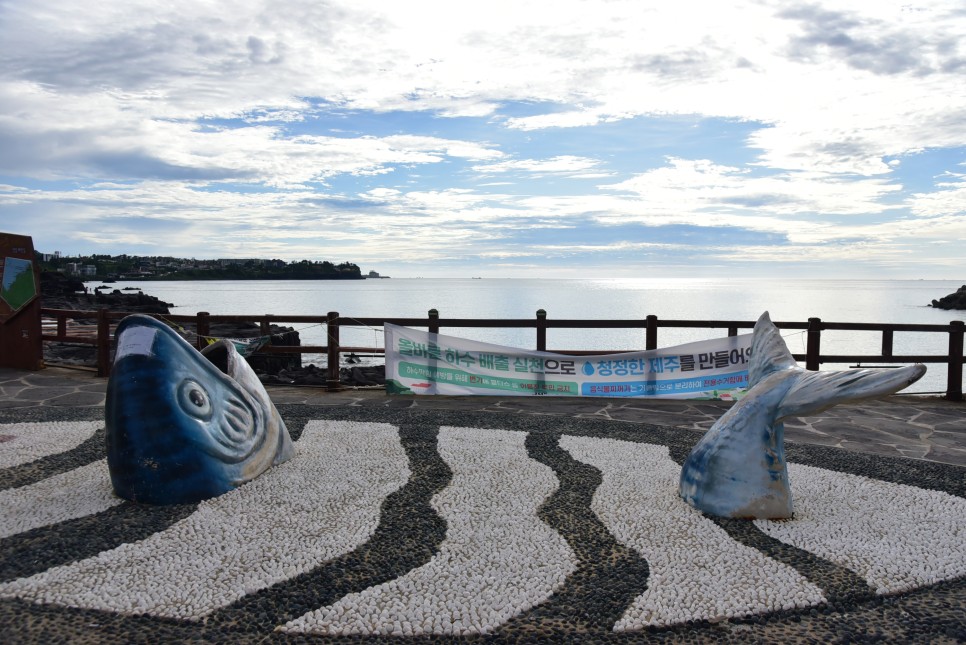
{"x":194,"y":400}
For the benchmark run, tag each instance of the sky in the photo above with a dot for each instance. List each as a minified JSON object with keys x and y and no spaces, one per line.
{"x":567,"y":139}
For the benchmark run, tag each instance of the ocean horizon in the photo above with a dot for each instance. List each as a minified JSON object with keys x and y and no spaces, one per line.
{"x":729,"y":298}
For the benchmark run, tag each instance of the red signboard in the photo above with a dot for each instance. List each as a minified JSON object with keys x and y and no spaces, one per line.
{"x":20,"y":331}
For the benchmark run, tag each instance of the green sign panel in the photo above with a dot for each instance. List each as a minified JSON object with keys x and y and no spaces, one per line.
{"x":18,"y":286}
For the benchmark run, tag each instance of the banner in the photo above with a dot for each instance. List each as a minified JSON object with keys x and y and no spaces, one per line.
{"x":419,"y":362}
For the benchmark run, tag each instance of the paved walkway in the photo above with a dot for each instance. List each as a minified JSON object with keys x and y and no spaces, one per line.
{"x":916,"y":427}
{"x":408,"y":537}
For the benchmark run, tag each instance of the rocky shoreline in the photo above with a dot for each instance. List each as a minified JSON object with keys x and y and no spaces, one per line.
{"x":956,"y":300}
{"x":58,"y":291}
{"x":63,"y":292}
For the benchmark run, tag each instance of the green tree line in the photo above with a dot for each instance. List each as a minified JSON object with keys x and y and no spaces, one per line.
{"x":122,"y":267}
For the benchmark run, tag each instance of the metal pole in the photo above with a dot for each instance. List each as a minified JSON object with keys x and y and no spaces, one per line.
{"x":650,"y":335}
{"x":103,"y":343}
{"x":541,"y":330}
{"x":954,"y":380}
{"x":813,"y":344}
{"x":887,"y":343}
{"x":332,"y":352}
{"x":202,"y":329}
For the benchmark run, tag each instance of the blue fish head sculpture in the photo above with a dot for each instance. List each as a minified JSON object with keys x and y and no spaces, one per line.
{"x":184,"y":425}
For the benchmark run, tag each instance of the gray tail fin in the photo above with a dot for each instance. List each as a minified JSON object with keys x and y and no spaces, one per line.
{"x":817,"y":391}
{"x":769,"y":353}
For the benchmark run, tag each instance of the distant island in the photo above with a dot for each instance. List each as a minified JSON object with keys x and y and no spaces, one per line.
{"x":132,"y":267}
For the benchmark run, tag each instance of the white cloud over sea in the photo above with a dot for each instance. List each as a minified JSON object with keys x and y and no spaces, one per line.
{"x":499,"y":138}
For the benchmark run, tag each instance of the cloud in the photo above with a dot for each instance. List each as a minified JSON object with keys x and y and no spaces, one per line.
{"x":948,"y":201}
{"x":873,"y":44}
{"x":569,"y":119}
{"x":100,"y":140}
{"x":565,"y":165}
{"x":375,"y":130}
{"x":692,"y":186}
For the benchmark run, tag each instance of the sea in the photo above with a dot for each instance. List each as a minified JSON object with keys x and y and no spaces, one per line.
{"x":791,"y":300}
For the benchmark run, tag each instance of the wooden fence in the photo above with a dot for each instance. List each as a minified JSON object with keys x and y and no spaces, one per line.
{"x":100,"y":334}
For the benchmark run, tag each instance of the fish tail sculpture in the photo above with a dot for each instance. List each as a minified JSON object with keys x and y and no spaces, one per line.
{"x":184,"y":425}
{"x":738,"y":468}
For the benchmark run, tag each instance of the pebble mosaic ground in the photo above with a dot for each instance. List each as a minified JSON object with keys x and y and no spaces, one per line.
{"x":413,"y":525}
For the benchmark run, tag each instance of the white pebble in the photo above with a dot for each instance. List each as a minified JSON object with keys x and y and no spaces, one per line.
{"x":76,"y":493}
{"x":493,"y":533}
{"x":897,"y":537}
{"x":697,"y":570}
{"x":322,"y":503}
{"x":26,"y":442}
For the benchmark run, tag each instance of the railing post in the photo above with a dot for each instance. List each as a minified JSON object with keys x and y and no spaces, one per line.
{"x":732,"y":331}
{"x":887,"y":343}
{"x":954,"y":380}
{"x":332,"y":352}
{"x":265,"y":325}
{"x":61,"y":326}
{"x":541,"y":330}
{"x":202,"y":329}
{"x":433,"y":321}
{"x":650,"y":334}
{"x":103,"y":343}
{"x":813,"y":347}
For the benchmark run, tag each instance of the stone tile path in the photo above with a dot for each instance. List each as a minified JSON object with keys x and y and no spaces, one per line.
{"x":916,"y":427}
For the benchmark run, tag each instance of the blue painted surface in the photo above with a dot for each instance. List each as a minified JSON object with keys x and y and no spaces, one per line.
{"x":179,"y":429}
{"x":738,"y":468}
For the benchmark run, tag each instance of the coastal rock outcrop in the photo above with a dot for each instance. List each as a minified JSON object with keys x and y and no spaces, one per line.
{"x":955,"y":300}
{"x":59,"y":291}
{"x":313,"y":376}
{"x":373,"y":375}
{"x":262,"y":363}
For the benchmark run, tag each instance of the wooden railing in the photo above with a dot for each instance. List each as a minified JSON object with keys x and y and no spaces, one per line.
{"x":333,"y":349}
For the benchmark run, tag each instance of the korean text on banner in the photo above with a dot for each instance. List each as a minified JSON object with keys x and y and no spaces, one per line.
{"x":419,"y":362}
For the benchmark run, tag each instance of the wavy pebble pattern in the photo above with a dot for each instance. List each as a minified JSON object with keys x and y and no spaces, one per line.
{"x":321,"y":504}
{"x":26,"y":442}
{"x":76,"y":493}
{"x":897,"y":537}
{"x":498,"y":558}
{"x":697,"y":572}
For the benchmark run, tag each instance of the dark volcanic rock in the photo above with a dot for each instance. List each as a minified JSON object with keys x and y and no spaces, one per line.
{"x":310,"y":375}
{"x":359,"y":375}
{"x":955,"y":300}
{"x":58,"y":291}
{"x":278,"y":335}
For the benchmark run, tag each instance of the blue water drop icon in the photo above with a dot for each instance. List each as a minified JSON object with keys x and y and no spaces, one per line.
{"x":588,"y":368}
